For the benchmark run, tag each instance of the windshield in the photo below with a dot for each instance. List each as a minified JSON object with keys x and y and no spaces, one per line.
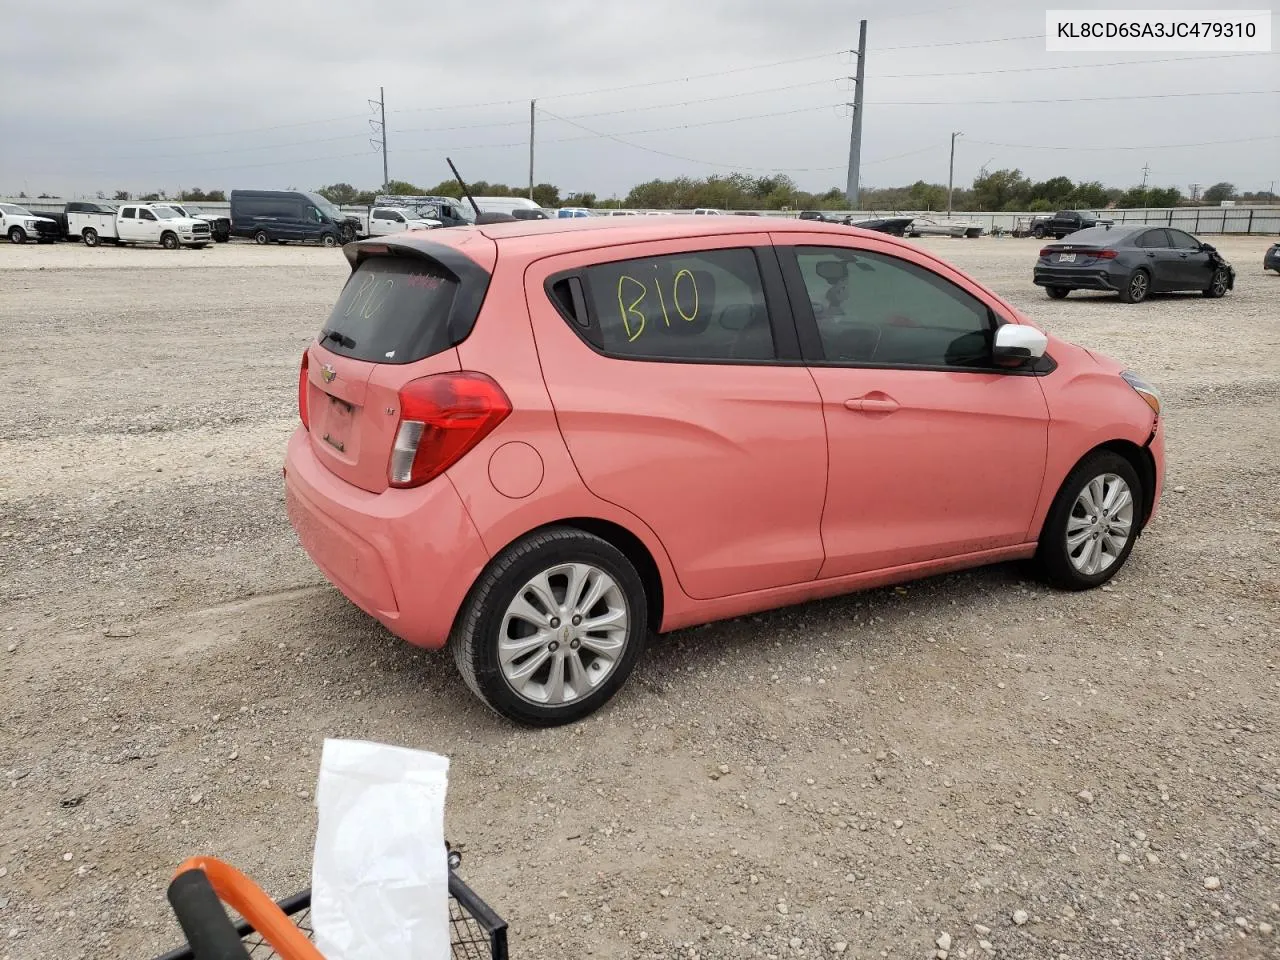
{"x":325,"y":207}
{"x":165,"y":213}
{"x":16,"y":211}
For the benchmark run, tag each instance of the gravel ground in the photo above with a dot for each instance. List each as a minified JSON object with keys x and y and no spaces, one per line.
{"x":971,"y":763}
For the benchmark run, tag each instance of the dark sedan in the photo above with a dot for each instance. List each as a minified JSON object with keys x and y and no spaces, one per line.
{"x":1133,"y":260}
{"x":1271,"y":260}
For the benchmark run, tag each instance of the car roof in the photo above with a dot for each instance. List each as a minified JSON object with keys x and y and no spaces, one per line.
{"x":588,"y":232}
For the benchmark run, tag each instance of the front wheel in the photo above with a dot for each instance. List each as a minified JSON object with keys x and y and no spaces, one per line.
{"x":553,"y":627}
{"x":17,"y":235}
{"x":1218,"y":285}
{"x":169,"y":241}
{"x":1038,"y":233}
{"x":1057,"y":293}
{"x":1137,"y":287}
{"x":1092,"y":524}
{"x":328,"y":240}
{"x":90,"y":237}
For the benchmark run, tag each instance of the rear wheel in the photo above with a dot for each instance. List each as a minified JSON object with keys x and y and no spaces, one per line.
{"x":169,"y":240}
{"x":1057,"y":293}
{"x":17,"y":235}
{"x":90,"y":237}
{"x":1218,"y":285}
{"x":1137,"y":287}
{"x":553,"y":627}
{"x":1092,"y":524}
{"x":261,"y":238}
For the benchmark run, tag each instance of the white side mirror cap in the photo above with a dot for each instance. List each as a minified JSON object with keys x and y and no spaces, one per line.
{"x":1016,"y":341}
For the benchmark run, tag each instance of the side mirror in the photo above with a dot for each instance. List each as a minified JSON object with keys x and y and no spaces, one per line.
{"x":1207,"y":248}
{"x":1016,"y":344}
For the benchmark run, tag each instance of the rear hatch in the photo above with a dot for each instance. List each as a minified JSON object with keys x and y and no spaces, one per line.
{"x":402,"y":313}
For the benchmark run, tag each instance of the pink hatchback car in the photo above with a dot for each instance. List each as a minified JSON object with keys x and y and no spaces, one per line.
{"x":538,"y":441}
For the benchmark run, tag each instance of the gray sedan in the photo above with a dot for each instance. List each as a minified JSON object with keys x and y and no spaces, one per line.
{"x":1133,"y":260}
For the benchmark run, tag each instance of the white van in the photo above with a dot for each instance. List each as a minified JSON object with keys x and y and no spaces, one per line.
{"x":505,"y":204}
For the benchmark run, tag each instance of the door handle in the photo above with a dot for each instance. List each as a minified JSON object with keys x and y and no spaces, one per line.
{"x":881,"y":404}
{"x":1151,"y":255}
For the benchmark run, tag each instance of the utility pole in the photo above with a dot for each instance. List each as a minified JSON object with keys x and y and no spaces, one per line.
{"x":532,"y":107}
{"x":1146,"y":168}
{"x":951,"y":175}
{"x":1195,"y":191}
{"x":380,"y":127}
{"x":855,"y":133}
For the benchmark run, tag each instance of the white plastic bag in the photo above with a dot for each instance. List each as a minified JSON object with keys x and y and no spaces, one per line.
{"x":380,"y":877}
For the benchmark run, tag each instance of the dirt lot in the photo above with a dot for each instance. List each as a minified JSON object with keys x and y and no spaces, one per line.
{"x":973,"y":758}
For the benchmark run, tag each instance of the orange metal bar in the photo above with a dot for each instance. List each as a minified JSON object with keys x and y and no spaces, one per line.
{"x":248,"y":899}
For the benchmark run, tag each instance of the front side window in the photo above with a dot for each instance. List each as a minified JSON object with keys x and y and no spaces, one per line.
{"x":883,"y":311}
{"x":708,"y":305}
{"x":1183,"y":241}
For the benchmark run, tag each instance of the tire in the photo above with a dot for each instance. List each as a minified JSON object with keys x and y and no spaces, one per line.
{"x":328,"y":240}
{"x":169,"y":240}
{"x":261,"y":238}
{"x":1069,"y":517}
{"x":1057,"y":293}
{"x":486,"y":617}
{"x":1038,"y":232}
{"x":90,"y":237}
{"x":1218,"y":285}
{"x":17,"y":235}
{"x":1137,"y":287}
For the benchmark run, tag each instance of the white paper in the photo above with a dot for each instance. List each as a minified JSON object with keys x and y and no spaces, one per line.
{"x":380,"y":876}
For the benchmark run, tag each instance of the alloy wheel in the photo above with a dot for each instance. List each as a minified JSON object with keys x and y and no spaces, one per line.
{"x":1100,"y":524}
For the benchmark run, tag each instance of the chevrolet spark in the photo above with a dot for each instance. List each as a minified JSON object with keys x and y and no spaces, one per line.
{"x":537,"y":442}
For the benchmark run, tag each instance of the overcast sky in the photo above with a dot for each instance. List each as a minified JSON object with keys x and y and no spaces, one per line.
{"x":147,"y":95}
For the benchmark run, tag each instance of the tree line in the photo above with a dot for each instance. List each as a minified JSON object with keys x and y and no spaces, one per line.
{"x":996,"y":190}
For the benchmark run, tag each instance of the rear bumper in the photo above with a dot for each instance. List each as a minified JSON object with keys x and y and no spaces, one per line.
{"x":1078,"y":279}
{"x":405,"y":557}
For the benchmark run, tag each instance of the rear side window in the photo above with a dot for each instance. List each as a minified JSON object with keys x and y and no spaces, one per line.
{"x":708,"y":305}
{"x":392,"y":310}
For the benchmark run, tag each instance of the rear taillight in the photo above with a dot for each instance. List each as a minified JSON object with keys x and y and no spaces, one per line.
{"x":1046,"y":251}
{"x":302,"y":390}
{"x":1105,"y":254}
{"x":441,"y":418}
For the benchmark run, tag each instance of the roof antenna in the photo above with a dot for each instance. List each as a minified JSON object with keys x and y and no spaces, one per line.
{"x":465,"y":192}
{"x":482,"y":218}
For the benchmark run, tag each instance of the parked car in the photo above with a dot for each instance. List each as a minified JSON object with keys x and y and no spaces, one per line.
{"x":537,"y":444}
{"x":819,"y":216}
{"x":20,"y":225}
{"x":521,"y":213}
{"x":1271,"y":259}
{"x":707,"y":212}
{"x":943,"y":227}
{"x":1135,"y":261}
{"x":148,"y":223}
{"x":569,"y":213}
{"x":219,"y":226}
{"x":450,"y":211}
{"x":1066,"y":222}
{"x":505,"y":204}
{"x":289,"y":216}
{"x":387,"y":220}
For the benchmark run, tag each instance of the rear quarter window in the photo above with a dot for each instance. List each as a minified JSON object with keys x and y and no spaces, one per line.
{"x":393,"y":310}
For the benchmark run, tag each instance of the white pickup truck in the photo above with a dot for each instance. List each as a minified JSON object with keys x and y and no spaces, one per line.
{"x":141,"y":223}
{"x":385,"y":220}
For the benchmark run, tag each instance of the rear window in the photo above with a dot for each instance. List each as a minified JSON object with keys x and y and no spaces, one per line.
{"x":392,"y":310}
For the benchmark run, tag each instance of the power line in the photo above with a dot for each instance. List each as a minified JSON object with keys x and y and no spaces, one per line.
{"x":1065,"y":66}
{"x":1129,"y":96}
{"x":1155,"y":146}
{"x":961,"y":43}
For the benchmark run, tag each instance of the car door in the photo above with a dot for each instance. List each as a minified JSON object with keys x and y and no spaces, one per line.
{"x":127,"y":227}
{"x":933,"y":451}
{"x":1159,"y":258}
{"x":677,"y":383}
{"x":379,"y":222}
{"x":1192,"y":265}
{"x":147,"y":226}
